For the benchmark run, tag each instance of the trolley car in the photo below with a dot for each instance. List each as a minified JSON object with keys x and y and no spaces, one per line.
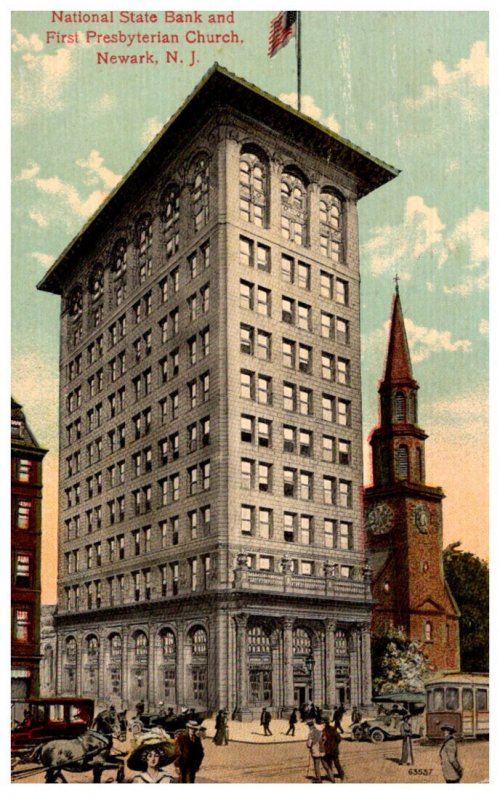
{"x":461,"y":700}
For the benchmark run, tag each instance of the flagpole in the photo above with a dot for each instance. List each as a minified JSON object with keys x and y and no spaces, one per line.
{"x":299,"y":60}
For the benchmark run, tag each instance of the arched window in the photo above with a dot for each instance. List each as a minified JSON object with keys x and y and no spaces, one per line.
{"x":145,"y":241}
{"x":302,"y":644}
{"x":115,"y":646}
{"x":253,"y":188}
{"x":171,"y":204}
{"x":119,"y":271}
{"x":198,"y":642}
{"x":331,"y":226}
{"x":75,"y":303}
{"x":428,"y":631}
{"x":92,"y":647}
{"x":399,"y":407}
{"x":168,"y":643}
{"x":402,"y":462}
{"x":96,"y":283}
{"x":258,"y":641}
{"x":340,"y":643}
{"x":141,"y":645}
{"x":71,"y":650}
{"x":293,"y":208}
{"x":200,"y":193}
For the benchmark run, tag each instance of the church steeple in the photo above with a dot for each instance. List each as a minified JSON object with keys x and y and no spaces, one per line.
{"x":398,"y":451}
{"x":398,"y":368}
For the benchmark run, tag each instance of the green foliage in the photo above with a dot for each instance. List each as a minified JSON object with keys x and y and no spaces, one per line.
{"x":468,"y":579}
{"x":398,"y":664}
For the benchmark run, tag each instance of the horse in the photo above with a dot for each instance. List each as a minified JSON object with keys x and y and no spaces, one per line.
{"x":90,"y":751}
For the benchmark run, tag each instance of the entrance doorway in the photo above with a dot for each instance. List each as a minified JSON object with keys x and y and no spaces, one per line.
{"x":302,"y":693}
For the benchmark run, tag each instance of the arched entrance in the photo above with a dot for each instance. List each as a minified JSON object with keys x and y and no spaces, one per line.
{"x":139,"y":667}
{"x":196,"y":667}
{"x":260,"y":667}
{"x":303,"y":667}
{"x":167,"y":667}
{"x":69,"y":666}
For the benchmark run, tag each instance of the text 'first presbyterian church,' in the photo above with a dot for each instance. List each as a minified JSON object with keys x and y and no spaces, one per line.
{"x":211,"y":544}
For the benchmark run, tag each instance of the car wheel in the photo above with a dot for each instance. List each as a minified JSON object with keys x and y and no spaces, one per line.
{"x":377,"y":736}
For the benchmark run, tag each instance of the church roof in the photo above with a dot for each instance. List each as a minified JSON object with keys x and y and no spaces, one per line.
{"x":20,"y":430}
{"x":218,"y":89}
{"x":398,"y":367}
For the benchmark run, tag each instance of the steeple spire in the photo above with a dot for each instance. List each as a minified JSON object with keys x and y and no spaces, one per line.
{"x":398,"y":367}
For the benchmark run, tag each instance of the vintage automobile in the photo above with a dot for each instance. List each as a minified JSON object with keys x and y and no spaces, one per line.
{"x":146,"y":722}
{"x":48,"y":718}
{"x":391,"y":709}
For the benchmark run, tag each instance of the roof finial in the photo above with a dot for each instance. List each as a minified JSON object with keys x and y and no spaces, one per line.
{"x":396,"y":281}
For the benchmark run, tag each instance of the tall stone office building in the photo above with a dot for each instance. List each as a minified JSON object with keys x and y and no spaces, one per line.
{"x":211,"y":549}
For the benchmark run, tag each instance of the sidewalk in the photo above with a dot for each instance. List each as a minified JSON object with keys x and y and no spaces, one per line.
{"x":252,"y":732}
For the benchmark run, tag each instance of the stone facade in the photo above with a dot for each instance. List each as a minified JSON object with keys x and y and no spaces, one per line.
{"x":404,"y":518}
{"x":211,"y":549}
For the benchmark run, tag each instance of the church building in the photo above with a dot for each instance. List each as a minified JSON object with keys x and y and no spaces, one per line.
{"x":403,"y":517}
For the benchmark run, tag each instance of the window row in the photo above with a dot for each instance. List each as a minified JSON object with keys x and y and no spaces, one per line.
{"x":305,"y":567}
{"x":296,"y":483}
{"x":256,"y":255}
{"x":297,"y":528}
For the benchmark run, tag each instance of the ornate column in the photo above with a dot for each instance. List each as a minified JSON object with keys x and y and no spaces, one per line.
{"x":152,"y":701}
{"x":354,"y":639}
{"x":242,"y":711}
{"x":79,"y":665}
{"x":275,"y":170}
{"x":288,"y":698}
{"x":366,"y":666}
{"x":330,"y":681}
{"x":314,"y":213}
{"x":180,"y":668}
{"x":125,"y":667}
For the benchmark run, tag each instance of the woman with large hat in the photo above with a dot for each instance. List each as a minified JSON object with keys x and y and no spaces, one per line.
{"x":149,"y":758}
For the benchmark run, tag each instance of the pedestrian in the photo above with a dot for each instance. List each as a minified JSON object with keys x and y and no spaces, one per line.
{"x":303,"y":712}
{"x":149,"y":758}
{"x":265,"y":721}
{"x":356,"y":715}
{"x":452,"y":769}
{"x":292,"y":721}
{"x":407,"y":748}
{"x":331,"y":745}
{"x":338,"y":714}
{"x":221,"y":728}
{"x":189,"y":752}
{"x":316,"y":749}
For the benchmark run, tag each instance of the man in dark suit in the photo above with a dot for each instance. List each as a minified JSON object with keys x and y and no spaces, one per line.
{"x":189,"y":752}
{"x":265,"y":721}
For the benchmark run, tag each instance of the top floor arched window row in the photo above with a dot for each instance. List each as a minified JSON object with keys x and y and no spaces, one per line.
{"x":254,"y":183}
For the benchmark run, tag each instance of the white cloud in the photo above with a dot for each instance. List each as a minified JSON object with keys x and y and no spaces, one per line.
{"x":422,"y":232}
{"x":423,"y":342}
{"x":472,"y":283}
{"x":28,"y":172}
{"x":310,"y":109}
{"x":62,"y":200}
{"x":39,"y":78}
{"x":96,"y":170}
{"x":392,"y":246}
{"x":462,"y":84}
{"x":39,"y":218}
{"x":151,"y":127}
{"x":484,"y":327}
{"x":469,"y":240}
{"x":44,"y":259}
{"x":105,"y":102}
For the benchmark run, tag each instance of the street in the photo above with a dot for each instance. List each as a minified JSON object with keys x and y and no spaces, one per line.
{"x":288,"y":762}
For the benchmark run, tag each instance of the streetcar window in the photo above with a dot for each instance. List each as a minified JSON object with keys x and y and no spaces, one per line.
{"x":451,"y":699}
{"x":438,"y":699}
{"x":56,"y":713}
{"x":467,"y":703}
{"x":482,"y":699}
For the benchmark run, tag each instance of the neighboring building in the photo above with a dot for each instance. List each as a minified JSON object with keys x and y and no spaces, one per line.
{"x":48,"y":651}
{"x":403,"y":517}
{"x":26,"y":552}
{"x":211,"y":550}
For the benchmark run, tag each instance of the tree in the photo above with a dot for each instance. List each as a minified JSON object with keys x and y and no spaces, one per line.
{"x":399,"y":664}
{"x":468,"y":579}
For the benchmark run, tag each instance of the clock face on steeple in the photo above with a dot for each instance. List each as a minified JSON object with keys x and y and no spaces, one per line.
{"x":379,"y":519}
{"x":421,"y":518}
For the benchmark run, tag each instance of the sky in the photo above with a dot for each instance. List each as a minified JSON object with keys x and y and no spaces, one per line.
{"x":409,"y":87}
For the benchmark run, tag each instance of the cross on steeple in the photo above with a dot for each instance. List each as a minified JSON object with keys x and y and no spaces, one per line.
{"x":396,"y":282}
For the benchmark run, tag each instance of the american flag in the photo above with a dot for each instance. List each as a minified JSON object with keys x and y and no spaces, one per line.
{"x":281,"y":31}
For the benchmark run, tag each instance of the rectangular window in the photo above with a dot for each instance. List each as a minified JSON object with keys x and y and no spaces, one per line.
{"x":289,"y":526}
{"x":264,"y":477}
{"x":328,"y":408}
{"x":24,"y":470}
{"x":341,"y":292}
{"x":328,"y":449}
{"x":246,"y":252}
{"x":263,"y":258}
{"x":330,"y":528}
{"x":288,"y":353}
{"x":304,"y":317}
{"x":263,"y":301}
{"x":289,"y":438}
{"x":264,"y":390}
{"x":287,"y":268}
{"x":247,"y":429}
{"x":304,"y":276}
{"x":306,"y":530}
{"x":305,"y":401}
{"x":247,"y":520}
{"x":345,"y":494}
{"x":344,"y":452}
{"x":22,"y":625}
{"x":289,"y":482}
{"x":23,"y":570}
{"x":246,"y":295}
{"x":264,"y":428}
{"x":264,"y":345}
{"x":288,"y":310}
{"x":327,"y":325}
{"x":23,"y":517}
{"x":265,"y":523}
{"x":326,"y":285}
{"x":344,"y":413}
{"x":289,"y":397}
{"x":342,"y":330}
{"x":329,"y":490}
{"x":307,"y":567}
{"x":306,"y":485}
{"x":343,"y":371}
{"x":247,"y":339}
{"x":247,"y":473}
{"x":345,"y":536}
{"x":247,"y":385}
{"x":305,"y":358}
{"x":193,"y":524}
